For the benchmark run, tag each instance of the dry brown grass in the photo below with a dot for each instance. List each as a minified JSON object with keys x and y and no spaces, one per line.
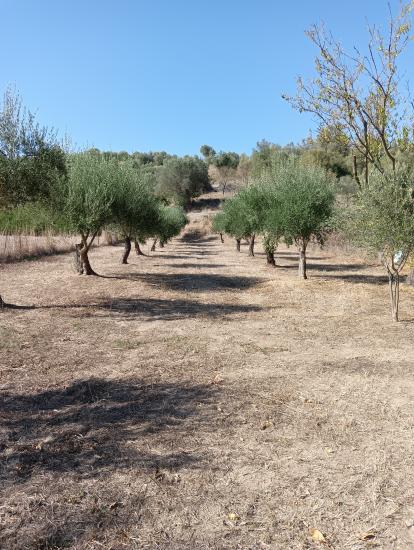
{"x":20,"y":247}
{"x":199,"y":399}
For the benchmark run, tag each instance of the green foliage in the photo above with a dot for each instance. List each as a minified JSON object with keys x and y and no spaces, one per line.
{"x":226,"y":160}
{"x":219,"y":223}
{"x":31,"y":160}
{"x":233,"y":219}
{"x":208,"y":153}
{"x":181,"y":179}
{"x":383,"y":217}
{"x":88,"y":195}
{"x":306,"y":199}
{"x":135,"y":211}
{"x":31,"y":218}
{"x":171,"y":221}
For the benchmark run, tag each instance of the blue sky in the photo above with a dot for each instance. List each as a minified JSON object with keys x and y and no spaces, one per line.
{"x":169,"y":74}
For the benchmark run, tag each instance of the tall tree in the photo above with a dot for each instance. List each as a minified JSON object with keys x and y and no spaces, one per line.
{"x":360,"y":93}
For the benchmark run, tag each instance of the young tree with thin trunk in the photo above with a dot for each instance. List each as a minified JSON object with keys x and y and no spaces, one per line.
{"x":383,"y":222}
{"x":305,"y":196}
{"x":135,"y":210}
{"x":233,"y":221}
{"x":171,"y":221}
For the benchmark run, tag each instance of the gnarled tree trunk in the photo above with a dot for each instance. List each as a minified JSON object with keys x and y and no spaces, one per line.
{"x":161,"y":244}
{"x":127,"y":250}
{"x":77,"y":259}
{"x":83,"y":254}
{"x":138,"y":248}
{"x":154,"y":245}
{"x":251,"y":245}
{"x":221,"y":237}
{"x":270,"y":257}
{"x":238,"y":245}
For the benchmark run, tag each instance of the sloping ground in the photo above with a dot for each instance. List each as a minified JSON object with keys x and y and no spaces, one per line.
{"x":199,"y":399}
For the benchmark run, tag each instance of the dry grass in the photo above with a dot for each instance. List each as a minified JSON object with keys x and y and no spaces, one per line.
{"x":199,"y":399}
{"x":20,"y":247}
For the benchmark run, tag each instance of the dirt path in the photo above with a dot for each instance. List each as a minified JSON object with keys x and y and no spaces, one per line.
{"x":198,"y":399}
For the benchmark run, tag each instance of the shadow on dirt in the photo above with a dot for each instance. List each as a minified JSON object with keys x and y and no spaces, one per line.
{"x":192,"y":282}
{"x":206,"y":204}
{"x":150,"y":309}
{"x":358,"y":278}
{"x":94,"y":427}
{"x":196,"y":266}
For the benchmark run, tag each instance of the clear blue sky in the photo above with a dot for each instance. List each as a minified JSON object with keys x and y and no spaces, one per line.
{"x":169,"y":74}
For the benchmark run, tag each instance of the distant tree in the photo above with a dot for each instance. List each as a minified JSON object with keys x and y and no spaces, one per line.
{"x":226,"y":164}
{"x":171,"y":221}
{"x":233,"y":220}
{"x":135,"y":210}
{"x":383,"y":222}
{"x":219,"y":224}
{"x":208,"y":153}
{"x":244,"y":169}
{"x":182,"y":179}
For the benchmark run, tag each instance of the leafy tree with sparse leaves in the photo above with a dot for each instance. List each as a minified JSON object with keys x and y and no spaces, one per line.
{"x":382,"y":221}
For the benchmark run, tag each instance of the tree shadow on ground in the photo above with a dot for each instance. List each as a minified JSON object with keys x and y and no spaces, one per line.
{"x":195,"y":266}
{"x":150,"y":309}
{"x":171,"y":310}
{"x":358,"y":278}
{"x":94,"y":427}
{"x":197,"y":236}
{"x":192,"y":282}
{"x":206,"y":203}
{"x":335,"y":267}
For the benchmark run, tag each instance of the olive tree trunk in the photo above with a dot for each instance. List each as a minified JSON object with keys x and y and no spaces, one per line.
{"x":127,"y":250}
{"x":270,"y":257}
{"x":154,"y":245}
{"x":238,"y":245}
{"x":221,"y":237}
{"x":394,"y":267}
{"x":302,"y":259}
{"x":394,"y":288}
{"x":85,"y":266}
{"x":138,"y":250}
{"x":77,"y":259}
{"x":251,"y":245}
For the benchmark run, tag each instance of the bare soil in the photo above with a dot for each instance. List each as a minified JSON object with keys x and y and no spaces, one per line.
{"x":197,"y":398}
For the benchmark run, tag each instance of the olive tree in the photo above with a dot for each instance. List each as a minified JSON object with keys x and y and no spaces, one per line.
{"x":306,"y":197}
{"x":383,"y":222}
{"x":181,"y":179}
{"x":135,"y":210}
{"x":171,"y":220}
{"x":233,"y":220}
{"x":87,"y":199}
